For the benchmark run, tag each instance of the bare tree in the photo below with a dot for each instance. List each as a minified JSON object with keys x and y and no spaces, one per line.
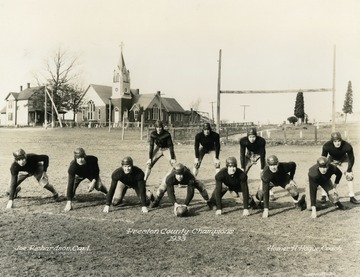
{"x":195,"y":104}
{"x":60,"y":77}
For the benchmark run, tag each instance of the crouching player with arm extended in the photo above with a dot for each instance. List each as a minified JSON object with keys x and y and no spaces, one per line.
{"x":206,"y":142}
{"x":82,"y":167}
{"x":160,"y":144}
{"x":128,"y":176}
{"x":233,"y":179}
{"x":341,"y":154}
{"x":320,"y":175}
{"x":252,"y":149}
{"x":180,"y":175}
{"x":27,"y":165}
{"x":279,"y":174}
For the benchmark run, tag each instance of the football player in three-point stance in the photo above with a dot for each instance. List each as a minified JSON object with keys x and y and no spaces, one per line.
{"x":27,"y":165}
{"x":252,"y":149}
{"x":280,"y":174}
{"x":128,"y":176}
{"x":320,"y":175}
{"x":160,"y":145}
{"x":82,"y":167}
{"x":179,"y":175}
{"x":206,"y":142}
{"x":341,"y":153}
{"x":233,"y":179}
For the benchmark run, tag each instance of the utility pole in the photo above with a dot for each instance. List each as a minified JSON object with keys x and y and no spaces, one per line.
{"x":244,"y":109}
{"x":218,"y":95}
{"x":212,"y":110}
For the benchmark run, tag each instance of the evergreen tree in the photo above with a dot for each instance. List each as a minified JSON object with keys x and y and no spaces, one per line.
{"x":348,"y":102}
{"x":299,"y":111}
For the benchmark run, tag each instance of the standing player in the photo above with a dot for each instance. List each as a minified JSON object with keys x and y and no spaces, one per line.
{"x":160,"y":145}
{"x":252,"y":149}
{"x":206,"y":142}
{"x":180,"y":175}
{"x":82,"y":167}
{"x":341,"y":154}
{"x":128,"y":176}
{"x":27,"y":165}
{"x":320,"y":175}
{"x":231,"y":178}
{"x":279,"y":174}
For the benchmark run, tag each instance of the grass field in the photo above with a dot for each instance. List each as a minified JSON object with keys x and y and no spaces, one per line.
{"x":39,"y":239}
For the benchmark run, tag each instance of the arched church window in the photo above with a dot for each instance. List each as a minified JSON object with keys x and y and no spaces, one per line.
{"x":91,"y":110}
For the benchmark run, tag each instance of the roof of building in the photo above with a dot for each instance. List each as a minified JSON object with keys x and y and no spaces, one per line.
{"x":3,"y":110}
{"x":23,"y":95}
{"x":169,"y":104}
{"x":104,"y":92}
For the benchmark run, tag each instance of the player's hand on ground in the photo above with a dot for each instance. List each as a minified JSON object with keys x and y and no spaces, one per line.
{"x":217,"y":162}
{"x":349,"y":176}
{"x":148,"y":162}
{"x":265,"y":213}
{"x":175,"y":207}
{"x":44,"y":176}
{"x":68,"y":206}
{"x":9,"y":204}
{"x":313,"y":212}
{"x":246,"y":212}
{"x":218,"y":212}
{"x":196,"y":162}
{"x":92,"y":185}
{"x":106,"y":209}
{"x":144,"y":210}
{"x":173,"y":161}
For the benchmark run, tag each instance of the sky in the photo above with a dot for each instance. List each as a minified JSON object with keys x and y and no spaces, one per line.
{"x":173,"y":46}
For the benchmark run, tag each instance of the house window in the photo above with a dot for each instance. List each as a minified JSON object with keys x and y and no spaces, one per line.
{"x":155,"y":112}
{"x":83,"y":114}
{"x":10,"y":116}
{"x":99,"y":114}
{"x":10,"y":104}
{"x":91,"y":110}
{"x":136,"y":115}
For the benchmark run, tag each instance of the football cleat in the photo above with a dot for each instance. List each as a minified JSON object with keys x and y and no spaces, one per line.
{"x":353,"y":200}
{"x":323,"y":199}
{"x":210,"y":204}
{"x":154,"y":203}
{"x":340,"y":206}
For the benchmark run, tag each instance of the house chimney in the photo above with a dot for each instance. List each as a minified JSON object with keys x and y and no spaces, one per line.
{"x":20,"y":88}
{"x":28,"y":84}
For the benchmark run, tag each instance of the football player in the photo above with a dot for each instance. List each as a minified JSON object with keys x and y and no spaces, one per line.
{"x":128,"y":176}
{"x":82,"y":167}
{"x":231,"y":178}
{"x":206,"y":142}
{"x":281,"y":174}
{"x":252,"y":149}
{"x":27,"y":165}
{"x":160,"y":145}
{"x":320,"y":175}
{"x":341,"y":153}
{"x":180,"y":175}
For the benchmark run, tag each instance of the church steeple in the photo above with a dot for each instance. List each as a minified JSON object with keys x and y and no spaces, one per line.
{"x":121,"y":79}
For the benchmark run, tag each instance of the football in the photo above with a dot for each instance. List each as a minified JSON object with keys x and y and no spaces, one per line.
{"x":182,"y":211}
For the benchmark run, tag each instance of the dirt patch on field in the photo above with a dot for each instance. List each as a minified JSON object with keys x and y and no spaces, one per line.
{"x":39,"y":239}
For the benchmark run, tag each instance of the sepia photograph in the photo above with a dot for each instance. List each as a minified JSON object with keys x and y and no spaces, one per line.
{"x":179,"y":138}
